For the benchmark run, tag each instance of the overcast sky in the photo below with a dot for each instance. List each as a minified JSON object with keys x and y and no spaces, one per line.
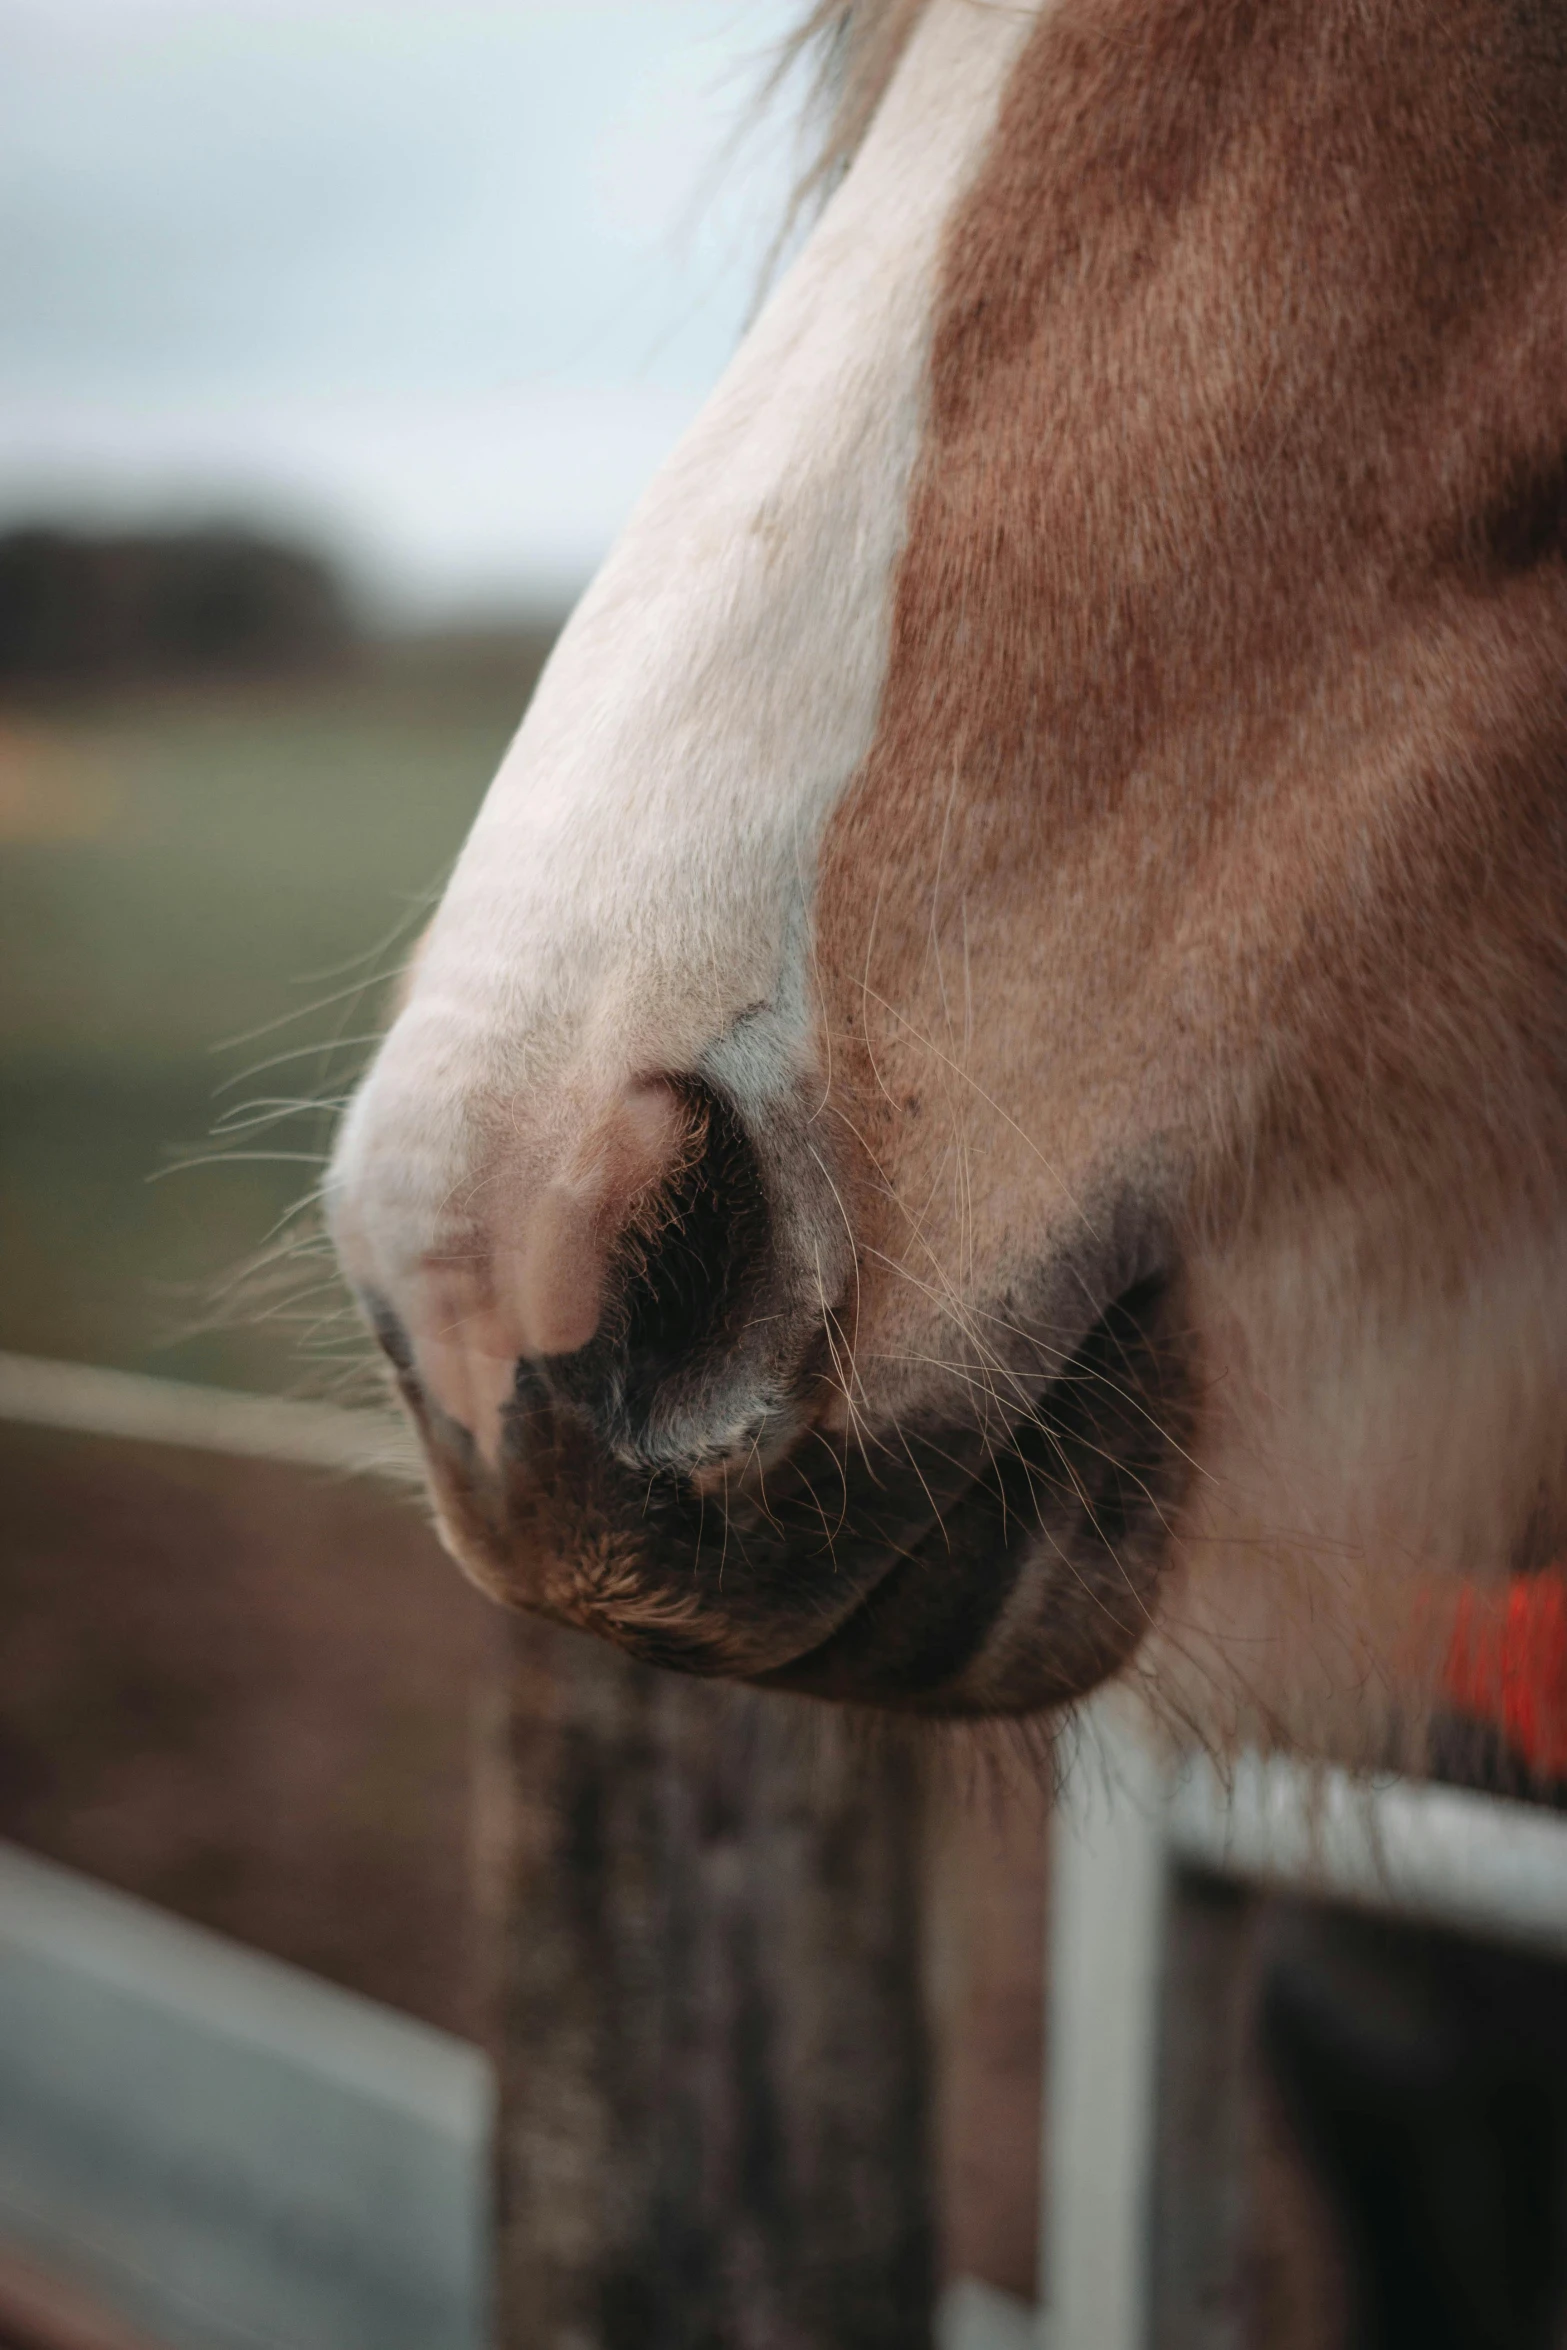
{"x":436,"y":281}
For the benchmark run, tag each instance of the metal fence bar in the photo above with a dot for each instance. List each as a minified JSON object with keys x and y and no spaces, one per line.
{"x":1437,"y":1855}
{"x":975,"y":2316}
{"x":1127,"y":1836}
{"x":223,"y":2150}
{"x":1107,"y":1905}
{"x":87,"y":1400}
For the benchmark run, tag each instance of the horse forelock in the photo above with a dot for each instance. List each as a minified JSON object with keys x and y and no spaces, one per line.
{"x":849,"y":51}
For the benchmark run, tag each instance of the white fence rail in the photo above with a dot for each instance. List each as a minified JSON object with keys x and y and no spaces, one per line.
{"x":1125,"y":1833}
{"x":86,"y":1400}
{"x":230,"y":2153}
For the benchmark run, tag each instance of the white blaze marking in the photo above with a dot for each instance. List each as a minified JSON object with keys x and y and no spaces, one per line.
{"x":641,"y":871}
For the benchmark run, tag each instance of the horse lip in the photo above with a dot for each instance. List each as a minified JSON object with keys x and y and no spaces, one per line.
{"x":804,"y":1670}
{"x":492,"y":1514}
{"x":806,"y":1591}
{"x":922,"y":1656}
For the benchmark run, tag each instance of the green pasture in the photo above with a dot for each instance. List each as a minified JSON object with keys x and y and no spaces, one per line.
{"x":179,"y":869}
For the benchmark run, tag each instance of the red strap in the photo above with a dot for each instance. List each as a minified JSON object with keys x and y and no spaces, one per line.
{"x":1507,"y":1665}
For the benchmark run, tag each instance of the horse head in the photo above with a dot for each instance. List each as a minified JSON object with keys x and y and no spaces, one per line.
{"x":988,"y":1097}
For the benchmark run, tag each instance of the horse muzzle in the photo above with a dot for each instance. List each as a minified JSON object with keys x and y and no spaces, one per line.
{"x":674,"y":1480}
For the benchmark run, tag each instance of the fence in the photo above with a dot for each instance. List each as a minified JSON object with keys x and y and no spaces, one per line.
{"x":711,"y":2039}
{"x":223,"y":2150}
{"x":712,"y":2045}
{"x":1142,"y":2228}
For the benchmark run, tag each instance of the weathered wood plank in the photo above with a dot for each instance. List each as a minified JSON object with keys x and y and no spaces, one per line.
{"x":713,"y":2048}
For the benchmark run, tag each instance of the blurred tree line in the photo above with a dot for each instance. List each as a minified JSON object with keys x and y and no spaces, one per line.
{"x":82,"y":609}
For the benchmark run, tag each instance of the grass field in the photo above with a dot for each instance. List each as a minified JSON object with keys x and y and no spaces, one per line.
{"x":183,"y":868}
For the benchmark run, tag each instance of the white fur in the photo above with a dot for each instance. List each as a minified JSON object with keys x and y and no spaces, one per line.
{"x":641,"y":873}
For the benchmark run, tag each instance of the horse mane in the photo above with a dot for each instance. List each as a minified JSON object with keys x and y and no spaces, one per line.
{"x":847,"y":52}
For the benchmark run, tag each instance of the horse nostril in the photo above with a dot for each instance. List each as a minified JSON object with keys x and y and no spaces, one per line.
{"x":694,"y":1276}
{"x":690,"y":1277}
{"x":664,"y":1282}
{"x":553,"y":1273}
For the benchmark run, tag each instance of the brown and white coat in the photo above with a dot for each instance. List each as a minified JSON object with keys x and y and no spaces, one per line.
{"x":989,"y":1094}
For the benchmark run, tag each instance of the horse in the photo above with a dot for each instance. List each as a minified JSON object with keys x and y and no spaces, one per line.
{"x":985,"y":1110}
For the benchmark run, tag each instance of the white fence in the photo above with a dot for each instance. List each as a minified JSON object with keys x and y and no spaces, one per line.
{"x":1127,"y":1834}
{"x":226,"y":2152}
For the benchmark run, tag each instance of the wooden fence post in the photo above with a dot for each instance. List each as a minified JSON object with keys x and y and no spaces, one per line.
{"x":714,"y":2128}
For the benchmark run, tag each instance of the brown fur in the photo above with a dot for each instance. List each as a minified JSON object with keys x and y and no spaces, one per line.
{"x":1216,"y":826}
{"x":1188,"y":955}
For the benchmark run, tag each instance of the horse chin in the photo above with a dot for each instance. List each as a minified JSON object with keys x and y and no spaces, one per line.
{"x":957,"y":1569}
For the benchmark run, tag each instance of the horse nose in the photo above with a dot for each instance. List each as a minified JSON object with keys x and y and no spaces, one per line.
{"x":626,"y":1284}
